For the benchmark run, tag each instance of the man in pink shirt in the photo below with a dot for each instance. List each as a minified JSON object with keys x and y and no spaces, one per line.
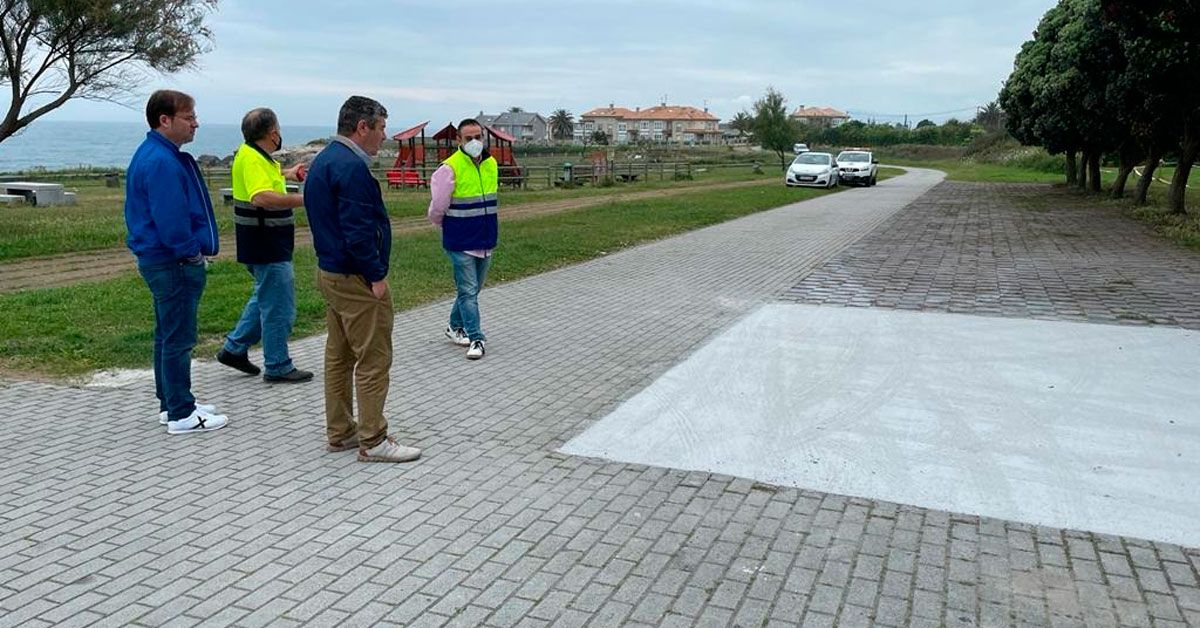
{"x":463,"y":204}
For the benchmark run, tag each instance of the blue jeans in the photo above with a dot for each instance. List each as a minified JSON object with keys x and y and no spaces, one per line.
{"x":268,"y":316}
{"x":176,"y":288}
{"x":469,"y":273}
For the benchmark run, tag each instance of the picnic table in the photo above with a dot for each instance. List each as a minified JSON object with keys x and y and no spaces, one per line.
{"x":39,"y":193}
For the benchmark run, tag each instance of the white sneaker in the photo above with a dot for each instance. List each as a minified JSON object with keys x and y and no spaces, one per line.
{"x":389,"y":451}
{"x":476,"y":351}
{"x":202,"y":407}
{"x":458,"y":336}
{"x":197,"y":422}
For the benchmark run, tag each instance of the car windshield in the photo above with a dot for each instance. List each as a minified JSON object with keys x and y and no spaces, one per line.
{"x":854,"y":157}
{"x":812,"y":159}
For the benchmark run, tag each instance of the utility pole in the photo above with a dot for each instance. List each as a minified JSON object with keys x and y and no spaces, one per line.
{"x":906,"y":120}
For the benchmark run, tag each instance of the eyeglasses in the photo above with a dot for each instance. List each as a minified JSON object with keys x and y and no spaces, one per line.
{"x":467,"y":138}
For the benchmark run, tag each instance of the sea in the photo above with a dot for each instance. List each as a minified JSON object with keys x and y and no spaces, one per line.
{"x":58,"y":145}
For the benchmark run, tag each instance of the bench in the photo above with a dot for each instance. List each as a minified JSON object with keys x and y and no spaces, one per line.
{"x":405,"y":178}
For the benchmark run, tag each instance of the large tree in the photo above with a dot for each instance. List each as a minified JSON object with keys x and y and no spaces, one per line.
{"x":56,"y":50}
{"x":1057,"y":95}
{"x":562,"y":124}
{"x":773,"y":129}
{"x":1029,"y":97}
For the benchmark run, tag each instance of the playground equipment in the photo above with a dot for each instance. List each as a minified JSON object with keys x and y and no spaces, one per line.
{"x":412,"y":169}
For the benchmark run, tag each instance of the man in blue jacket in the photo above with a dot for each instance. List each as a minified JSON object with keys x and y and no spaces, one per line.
{"x":172,"y":231}
{"x":352,"y":236}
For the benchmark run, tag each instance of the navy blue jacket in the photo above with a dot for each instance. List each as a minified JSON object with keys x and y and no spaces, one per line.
{"x":167,"y":209}
{"x":350,"y":227}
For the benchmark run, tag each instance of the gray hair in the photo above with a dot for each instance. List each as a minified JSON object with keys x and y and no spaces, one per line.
{"x":257,"y":123}
{"x":359,"y":109}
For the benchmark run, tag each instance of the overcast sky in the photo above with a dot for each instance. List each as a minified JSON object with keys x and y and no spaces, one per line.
{"x":446,"y":59}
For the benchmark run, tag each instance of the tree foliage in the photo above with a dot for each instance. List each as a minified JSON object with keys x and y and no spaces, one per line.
{"x":562,"y":124}
{"x":773,"y":129}
{"x":56,"y":50}
{"x":743,"y":123}
{"x":1118,"y":77}
{"x":990,"y":117}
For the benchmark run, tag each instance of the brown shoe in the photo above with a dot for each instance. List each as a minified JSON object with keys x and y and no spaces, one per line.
{"x":388,"y":450}
{"x":345,"y":445}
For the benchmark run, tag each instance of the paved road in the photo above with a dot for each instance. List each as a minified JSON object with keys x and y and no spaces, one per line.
{"x":106,"y":519}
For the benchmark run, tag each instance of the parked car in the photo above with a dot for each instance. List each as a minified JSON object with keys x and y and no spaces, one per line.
{"x":812,"y":170}
{"x":857,"y":166}
{"x":799,"y":148}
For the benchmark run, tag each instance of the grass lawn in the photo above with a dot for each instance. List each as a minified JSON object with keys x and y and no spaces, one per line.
{"x":73,"y":330}
{"x":970,"y":171}
{"x":98,"y":221}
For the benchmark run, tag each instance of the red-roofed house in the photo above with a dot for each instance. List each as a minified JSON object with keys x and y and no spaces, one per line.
{"x":677,"y":124}
{"x":820,"y":116}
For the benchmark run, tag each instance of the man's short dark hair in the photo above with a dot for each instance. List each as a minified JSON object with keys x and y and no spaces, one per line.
{"x":468,"y":122}
{"x":166,"y":102}
{"x":258,"y":123}
{"x":359,"y":109}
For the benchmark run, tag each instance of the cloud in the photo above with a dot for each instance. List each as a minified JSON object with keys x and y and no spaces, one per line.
{"x":459,"y":56}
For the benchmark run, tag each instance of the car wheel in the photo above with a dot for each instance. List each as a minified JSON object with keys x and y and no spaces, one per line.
{"x":874,"y":180}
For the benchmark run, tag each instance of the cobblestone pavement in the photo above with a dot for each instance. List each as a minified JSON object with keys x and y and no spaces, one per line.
{"x":106,"y":520}
{"x":1014,"y":250}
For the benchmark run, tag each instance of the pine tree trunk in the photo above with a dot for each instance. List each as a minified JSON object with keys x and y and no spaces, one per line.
{"x":1072,"y":173}
{"x":1094,"y":172}
{"x":1143,"y":189}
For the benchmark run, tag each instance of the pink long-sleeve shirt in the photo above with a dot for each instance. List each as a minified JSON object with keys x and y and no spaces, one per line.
{"x":441,"y":188}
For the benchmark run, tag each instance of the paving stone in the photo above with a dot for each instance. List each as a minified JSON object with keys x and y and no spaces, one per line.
{"x":494,"y":527}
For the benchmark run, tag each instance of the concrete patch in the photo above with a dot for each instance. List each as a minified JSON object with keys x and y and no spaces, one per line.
{"x":1072,"y":425}
{"x":120,"y":378}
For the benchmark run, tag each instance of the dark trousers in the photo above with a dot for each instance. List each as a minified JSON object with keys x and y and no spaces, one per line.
{"x":176,"y":288}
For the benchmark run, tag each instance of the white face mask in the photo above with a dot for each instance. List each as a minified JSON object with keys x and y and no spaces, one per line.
{"x":474,"y":148}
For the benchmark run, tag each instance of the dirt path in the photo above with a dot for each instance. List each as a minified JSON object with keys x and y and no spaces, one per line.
{"x":73,"y":268}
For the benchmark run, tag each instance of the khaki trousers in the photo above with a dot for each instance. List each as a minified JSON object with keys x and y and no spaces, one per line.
{"x":358,"y":357}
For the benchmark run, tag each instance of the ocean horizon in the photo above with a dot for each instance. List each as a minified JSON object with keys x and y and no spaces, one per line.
{"x":62,"y":144}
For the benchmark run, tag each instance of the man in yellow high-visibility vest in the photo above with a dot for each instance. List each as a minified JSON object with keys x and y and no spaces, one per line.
{"x":265,"y":226}
{"x":463,"y":204}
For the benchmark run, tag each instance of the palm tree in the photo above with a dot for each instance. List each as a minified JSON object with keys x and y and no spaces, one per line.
{"x":742,"y":123}
{"x":991,"y":117}
{"x":562,"y":124}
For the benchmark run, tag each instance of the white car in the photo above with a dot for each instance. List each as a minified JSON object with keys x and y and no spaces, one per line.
{"x":799,"y":148}
{"x":812,"y":170}
{"x":858,"y":167}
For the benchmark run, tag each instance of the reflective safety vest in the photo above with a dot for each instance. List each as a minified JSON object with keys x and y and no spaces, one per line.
{"x":264,"y":236}
{"x":471,"y":222}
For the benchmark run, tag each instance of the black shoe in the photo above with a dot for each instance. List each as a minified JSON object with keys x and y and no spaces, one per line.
{"x":239,"y":362}
{"x":294,"y":376}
